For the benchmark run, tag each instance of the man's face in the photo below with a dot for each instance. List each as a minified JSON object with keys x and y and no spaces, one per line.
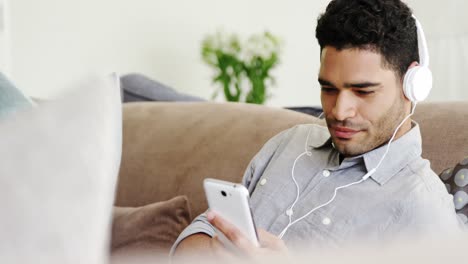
{"x":363,"y":102}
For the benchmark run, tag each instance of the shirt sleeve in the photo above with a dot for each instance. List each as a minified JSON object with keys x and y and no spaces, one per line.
{"x":199,"y":225}
{"x":253,"y":172}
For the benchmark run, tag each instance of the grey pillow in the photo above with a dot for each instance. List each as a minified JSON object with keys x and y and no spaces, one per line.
{"x":11,"y":98}
{"x":137,"y":87}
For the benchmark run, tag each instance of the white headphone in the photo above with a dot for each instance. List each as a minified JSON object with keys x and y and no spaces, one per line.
{"x":417,"y":84}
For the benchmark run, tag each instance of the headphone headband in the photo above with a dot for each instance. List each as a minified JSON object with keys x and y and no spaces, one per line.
{"x":422,"y":44}
{"x":417,"y":82}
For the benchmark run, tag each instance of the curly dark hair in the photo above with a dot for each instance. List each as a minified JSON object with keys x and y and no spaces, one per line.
{"x":384,"y":26}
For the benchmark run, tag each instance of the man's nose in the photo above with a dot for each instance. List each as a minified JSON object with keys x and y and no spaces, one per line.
{"x":345,"y":106}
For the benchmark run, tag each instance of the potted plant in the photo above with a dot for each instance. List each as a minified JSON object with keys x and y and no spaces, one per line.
{"x":243,"y":70}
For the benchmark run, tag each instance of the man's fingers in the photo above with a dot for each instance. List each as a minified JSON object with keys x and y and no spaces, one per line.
{"x":269,"y":242}
{"x":230,"y":231}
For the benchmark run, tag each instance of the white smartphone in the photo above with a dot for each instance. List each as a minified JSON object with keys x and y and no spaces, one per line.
{"x":231,"y":201}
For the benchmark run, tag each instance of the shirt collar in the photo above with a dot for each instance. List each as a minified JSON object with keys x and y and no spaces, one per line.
{"x":318,"y":138}
{"x":401,"y":152}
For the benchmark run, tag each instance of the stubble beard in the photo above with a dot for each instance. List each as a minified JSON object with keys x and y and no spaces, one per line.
{"x":373,"y":135}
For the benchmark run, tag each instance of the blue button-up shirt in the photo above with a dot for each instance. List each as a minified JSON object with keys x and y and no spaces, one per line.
{"x":403,"y":197}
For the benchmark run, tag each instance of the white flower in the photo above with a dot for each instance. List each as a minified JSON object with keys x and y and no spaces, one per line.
{"x":225,"y":43}
{"x":263,"y":46}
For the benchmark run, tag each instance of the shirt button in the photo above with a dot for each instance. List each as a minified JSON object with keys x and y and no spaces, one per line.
{"x":263,"y":181}
{"x":326,"y":173}
{"x":326,"y":221}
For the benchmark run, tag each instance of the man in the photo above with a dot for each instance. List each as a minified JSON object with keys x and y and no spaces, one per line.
{"x":367,"y":46}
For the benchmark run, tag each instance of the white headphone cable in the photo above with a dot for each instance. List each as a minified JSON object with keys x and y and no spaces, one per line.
{"x":394,"y":134}
{"x":290,"y":212}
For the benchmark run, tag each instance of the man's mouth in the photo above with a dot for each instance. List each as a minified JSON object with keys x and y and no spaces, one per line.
{"x":343,"y":132}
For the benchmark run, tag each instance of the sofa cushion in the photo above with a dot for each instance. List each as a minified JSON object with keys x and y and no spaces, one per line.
{"x":59,"y":164}
{"x":11,"y":98}
{"x":456,"y":181}
{"x":152,"y":227}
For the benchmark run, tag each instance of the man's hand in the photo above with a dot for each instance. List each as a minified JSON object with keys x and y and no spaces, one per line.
{"x":212,"y":248}
{"x":269,"y":243}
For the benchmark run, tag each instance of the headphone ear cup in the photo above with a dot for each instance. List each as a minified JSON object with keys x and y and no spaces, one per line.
{"x":417,"y":83}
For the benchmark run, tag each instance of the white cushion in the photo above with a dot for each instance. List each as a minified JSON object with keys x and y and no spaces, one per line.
{"x":58,"y":171}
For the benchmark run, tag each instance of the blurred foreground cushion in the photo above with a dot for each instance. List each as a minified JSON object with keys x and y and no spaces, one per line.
{"x":59,"y":165}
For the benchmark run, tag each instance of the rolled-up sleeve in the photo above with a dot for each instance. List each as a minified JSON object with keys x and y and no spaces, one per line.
{"x":199,"y":225}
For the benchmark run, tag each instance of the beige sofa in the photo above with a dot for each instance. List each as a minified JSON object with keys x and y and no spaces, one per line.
{"x":169,"y":148}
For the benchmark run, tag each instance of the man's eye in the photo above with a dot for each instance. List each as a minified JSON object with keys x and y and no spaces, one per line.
{"x":328,"y":89}
{"x":361,"y":92}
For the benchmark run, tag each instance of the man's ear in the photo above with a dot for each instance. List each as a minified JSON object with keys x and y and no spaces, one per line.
{"x":413,"y":64}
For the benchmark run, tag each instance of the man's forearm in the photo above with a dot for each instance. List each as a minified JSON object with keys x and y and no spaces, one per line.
{"x":196,"y":243}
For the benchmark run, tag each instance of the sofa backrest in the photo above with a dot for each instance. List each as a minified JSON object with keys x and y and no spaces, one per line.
{"x":444,"y":130}
{"x":169,"y":148}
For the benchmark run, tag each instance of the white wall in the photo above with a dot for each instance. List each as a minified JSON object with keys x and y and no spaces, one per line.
{"x":56,"y":41}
